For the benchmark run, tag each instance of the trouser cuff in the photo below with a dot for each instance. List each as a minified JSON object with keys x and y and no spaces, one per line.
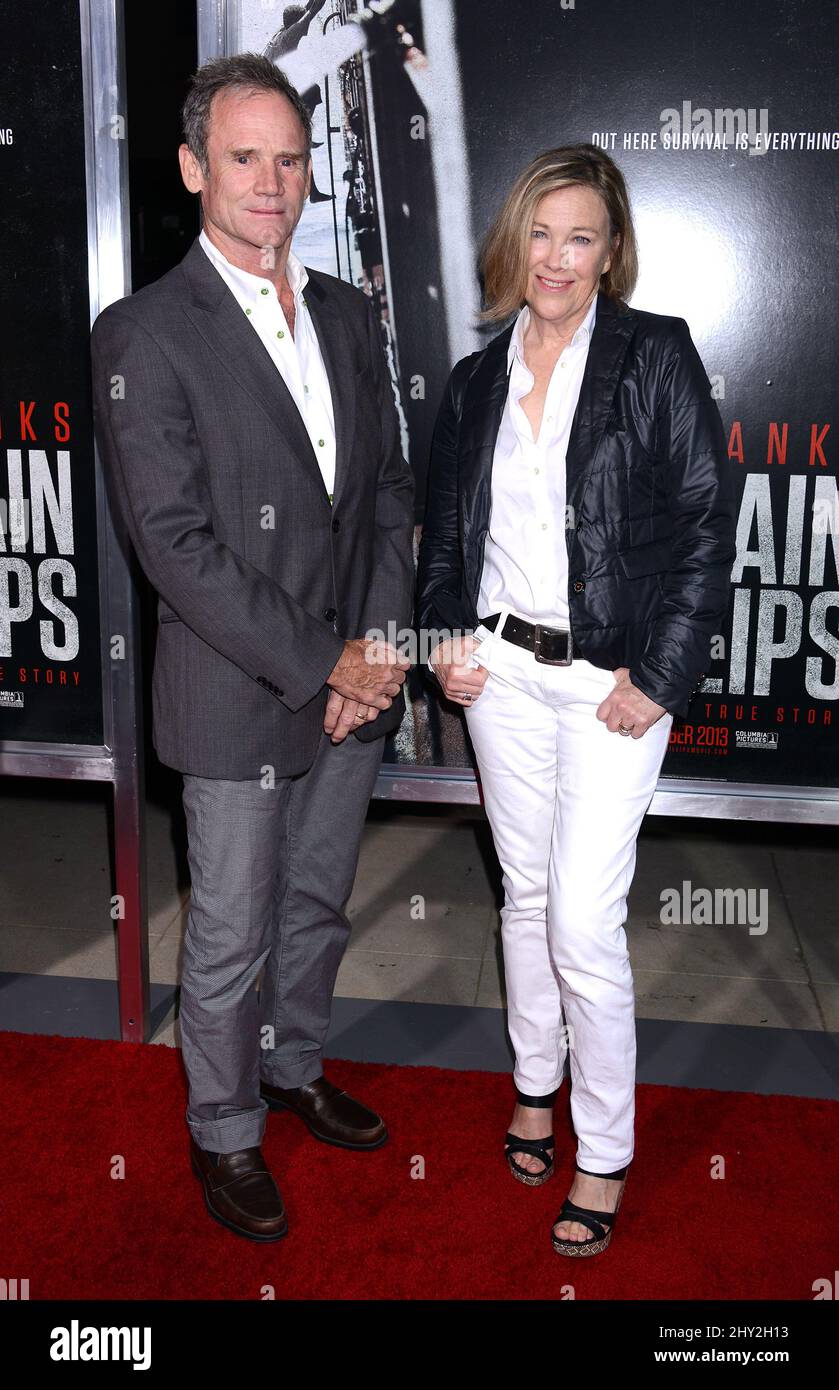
{"x":234,"y":1132}
{"x":288,"y":1075}
{"x":539,"y":1100}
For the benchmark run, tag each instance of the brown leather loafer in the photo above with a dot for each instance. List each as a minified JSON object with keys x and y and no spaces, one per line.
{"x":331,"y":1115}
{"x":240,"y":1192}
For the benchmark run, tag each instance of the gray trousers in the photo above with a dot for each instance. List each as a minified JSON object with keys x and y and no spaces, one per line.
{"x":272,"y":871}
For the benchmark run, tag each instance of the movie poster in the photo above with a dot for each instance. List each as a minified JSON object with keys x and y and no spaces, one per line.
{"x":50,"y":664}
{"x":723,"y":119}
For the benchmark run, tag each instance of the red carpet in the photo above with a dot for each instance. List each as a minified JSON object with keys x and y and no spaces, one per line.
{"x":362,"y":1227}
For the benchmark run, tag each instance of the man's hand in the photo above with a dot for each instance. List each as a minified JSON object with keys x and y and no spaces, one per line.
{"x":342,"y":716}
{"x":461,"y":682}
{"x":369,"y":672}
{"x":628,"y":706}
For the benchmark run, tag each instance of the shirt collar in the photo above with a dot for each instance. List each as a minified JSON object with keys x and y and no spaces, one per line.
{"x":249,"y":286}
{"x":581,"y":336}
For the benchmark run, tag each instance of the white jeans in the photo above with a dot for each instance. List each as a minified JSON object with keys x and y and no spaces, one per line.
{"x":565,"y":799}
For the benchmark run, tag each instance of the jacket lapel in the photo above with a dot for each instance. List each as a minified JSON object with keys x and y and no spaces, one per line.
{"x":217,"y":317}
{"x":487,"y":393}
{"x":335,"y":349}
{"x":613,"y":329}
{"x":483,"y":404}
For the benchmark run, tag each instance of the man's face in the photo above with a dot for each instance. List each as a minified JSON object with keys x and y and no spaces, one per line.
{"x":259,"y":173}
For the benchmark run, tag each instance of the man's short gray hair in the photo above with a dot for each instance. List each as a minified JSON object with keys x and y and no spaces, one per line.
{"x":243,"y":72}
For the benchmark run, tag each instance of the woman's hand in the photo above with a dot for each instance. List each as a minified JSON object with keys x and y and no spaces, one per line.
{"x":461,"y":682}
{"x":628,"y":708}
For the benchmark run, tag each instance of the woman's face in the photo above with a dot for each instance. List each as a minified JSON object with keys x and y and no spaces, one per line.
{"x":569,"y":251}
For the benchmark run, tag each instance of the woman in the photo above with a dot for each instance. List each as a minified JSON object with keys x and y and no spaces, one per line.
{"x":577,"y":544}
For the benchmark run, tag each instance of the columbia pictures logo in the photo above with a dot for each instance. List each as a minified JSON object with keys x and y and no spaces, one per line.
{"x":756,"y":738}
{"x":11,"y":699}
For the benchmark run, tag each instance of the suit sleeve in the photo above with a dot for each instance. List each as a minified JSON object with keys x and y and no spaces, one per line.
{"x":700,"y":498}
{"x":389,"y":597}
{"x":153,"y":461}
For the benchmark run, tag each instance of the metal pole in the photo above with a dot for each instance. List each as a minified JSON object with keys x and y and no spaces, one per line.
{"x":109,"y":271}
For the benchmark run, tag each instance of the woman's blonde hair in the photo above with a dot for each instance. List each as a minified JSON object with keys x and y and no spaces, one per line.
{"x":505,"y":252}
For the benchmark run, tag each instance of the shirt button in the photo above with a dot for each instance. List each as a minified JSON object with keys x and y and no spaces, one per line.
{"x":263,"y":291}
{"x":320,"y":442}
{"x":544,"y":526}
{"x":247,"y":311}
{"x":331,"y":614}
{"x":536,"y":470}
{"x":306,"y":389}
{"x":280,"y":333}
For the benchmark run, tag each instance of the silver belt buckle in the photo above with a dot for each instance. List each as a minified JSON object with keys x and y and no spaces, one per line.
{"x":546,"y":660}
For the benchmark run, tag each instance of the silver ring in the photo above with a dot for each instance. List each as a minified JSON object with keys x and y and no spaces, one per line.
{"x":623,"y":730}
{"x":464,"y":695}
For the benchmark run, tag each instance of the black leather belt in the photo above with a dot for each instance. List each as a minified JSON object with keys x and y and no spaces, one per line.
{"x":550,"y":645}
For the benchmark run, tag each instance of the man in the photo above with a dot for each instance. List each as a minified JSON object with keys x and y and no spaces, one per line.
{"x":252,"y":441}
{"x":296,"y":21}
{"x":305,"y":57}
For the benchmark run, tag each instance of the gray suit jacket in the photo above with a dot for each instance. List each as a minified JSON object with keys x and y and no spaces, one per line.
{"x":211,"y":470}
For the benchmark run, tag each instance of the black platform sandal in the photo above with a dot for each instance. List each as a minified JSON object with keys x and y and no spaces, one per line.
{"x":513,"y":1143}
{"x":600,"y":1223}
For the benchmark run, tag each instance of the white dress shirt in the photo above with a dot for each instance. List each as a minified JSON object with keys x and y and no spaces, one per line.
{"x":298,"y":359}
{"x":525,"y":569}
{"x":525,"y":566}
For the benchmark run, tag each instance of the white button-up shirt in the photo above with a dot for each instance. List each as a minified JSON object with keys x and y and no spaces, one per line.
{"x":298,"y":359}
{"x":525,"y":569}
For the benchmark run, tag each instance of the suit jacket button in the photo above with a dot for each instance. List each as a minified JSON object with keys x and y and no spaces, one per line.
{"x":330,"y":614}
{"x":579,"y":586}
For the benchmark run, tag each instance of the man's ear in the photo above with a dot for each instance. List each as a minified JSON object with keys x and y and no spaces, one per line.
{"x":190,"y":169}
